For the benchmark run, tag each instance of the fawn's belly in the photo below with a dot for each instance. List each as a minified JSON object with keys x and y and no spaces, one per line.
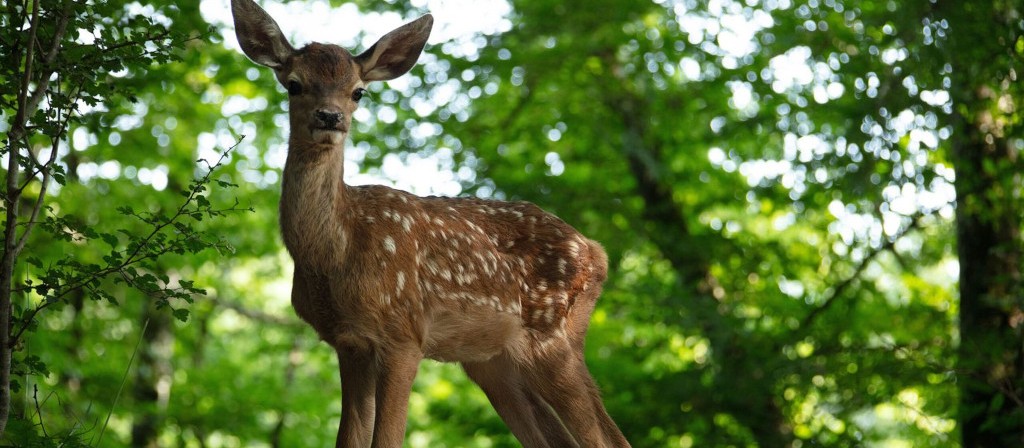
{"x":470,"y":337}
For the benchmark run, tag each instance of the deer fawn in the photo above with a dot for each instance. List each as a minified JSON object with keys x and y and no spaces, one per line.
{"x":388,"y":278}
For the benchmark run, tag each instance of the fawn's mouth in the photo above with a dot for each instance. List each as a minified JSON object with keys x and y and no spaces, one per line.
{"x":328,"y":135}
{"x":328,"y":129}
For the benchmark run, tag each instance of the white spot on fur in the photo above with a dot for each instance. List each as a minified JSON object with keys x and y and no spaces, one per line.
{"x":389,"y":244}
{"x":401,"y":282}
{"x":574,"y":248}
{"x":342,"y":239}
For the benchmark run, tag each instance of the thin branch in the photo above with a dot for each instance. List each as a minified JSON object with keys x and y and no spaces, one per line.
{"x":256,"y":315}
{"x":26,"y":77}
{"x":289,"y":379}
{"x":58,"y":36}
{"x":134,"y":257}
{"x":84,"y":282}
{"x":17,"y":131}
{"x":39,"y":411}
{"x":843,"y":285}
{"x":44,"y":79}
{"x":515,"y":112}
{"x":47,"y":170}
{"x":143,"y":41}
{"x":124,"y":379}
{"x":191,"y":196}
{"x":78,"y":420}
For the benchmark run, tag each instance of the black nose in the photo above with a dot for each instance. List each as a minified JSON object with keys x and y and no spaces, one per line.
{"x":327,"y":118}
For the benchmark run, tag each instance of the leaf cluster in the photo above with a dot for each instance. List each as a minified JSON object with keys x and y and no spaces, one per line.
{"x":68,"y":60}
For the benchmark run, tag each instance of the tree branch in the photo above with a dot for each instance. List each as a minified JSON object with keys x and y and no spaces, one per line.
{"x":47,"y":171}
{"x":39,"y":411}
{"x":256,"y":315}
{"x":43,"y":82}
{"x":845,"y":284}
{"x":134,"y":257}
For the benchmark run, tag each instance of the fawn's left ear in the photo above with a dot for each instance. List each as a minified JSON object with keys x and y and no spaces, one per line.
{"x":396,"y":52}
{"x":259,"y":36}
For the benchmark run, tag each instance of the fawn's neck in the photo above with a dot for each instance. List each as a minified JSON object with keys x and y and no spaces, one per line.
{"x":313,"y":205}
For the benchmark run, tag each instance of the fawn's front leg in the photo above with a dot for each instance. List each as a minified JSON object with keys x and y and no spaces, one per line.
{"x":358,"y":397}
{"x":396,"y":372}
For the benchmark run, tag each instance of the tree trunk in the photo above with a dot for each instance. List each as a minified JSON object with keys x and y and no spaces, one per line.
{"x":747,"y":395}
{"x":989,"y":210}
{"x":12,"y":198}
{"x":989,"y":248}
{"x":153,"y":377}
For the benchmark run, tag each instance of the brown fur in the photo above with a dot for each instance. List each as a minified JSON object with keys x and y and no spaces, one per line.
{"x":388,"y":278}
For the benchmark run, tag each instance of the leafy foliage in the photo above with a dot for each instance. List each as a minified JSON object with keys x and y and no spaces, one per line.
{"x":67,"y":58}
{"x":778,"y":185}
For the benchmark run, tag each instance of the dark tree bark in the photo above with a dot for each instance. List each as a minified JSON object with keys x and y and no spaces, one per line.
{"x":989,"y":249}
{"x":152,"y":380}
{"x":986,"y":97}
{"x":755,"y":407}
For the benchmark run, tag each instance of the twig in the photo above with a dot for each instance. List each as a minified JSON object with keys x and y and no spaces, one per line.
{"x":842,"y":286}
{"x":78,"y":420}
{"x":39,"y":412}
{"x":252,"y":314}
{"x":188,"y":200}
{"x":44,"y":78}
{"x":47,"y":170}
{"x":124,"y":379}
{"x":132,"y":258}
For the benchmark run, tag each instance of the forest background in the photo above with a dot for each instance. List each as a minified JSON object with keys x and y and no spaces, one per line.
{"x":813,"y":213}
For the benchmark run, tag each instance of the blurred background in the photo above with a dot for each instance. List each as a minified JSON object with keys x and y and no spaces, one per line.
{"x":781,"y":186}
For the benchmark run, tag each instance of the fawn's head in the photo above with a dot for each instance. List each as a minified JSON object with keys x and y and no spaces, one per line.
{"x":325,"y":81}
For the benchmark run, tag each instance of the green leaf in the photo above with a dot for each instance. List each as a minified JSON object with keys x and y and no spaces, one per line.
{"x":110,"y":239}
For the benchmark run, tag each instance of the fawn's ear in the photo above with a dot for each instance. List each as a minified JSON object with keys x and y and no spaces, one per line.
{"x":396,"y":52}
{"x":258,"y":34}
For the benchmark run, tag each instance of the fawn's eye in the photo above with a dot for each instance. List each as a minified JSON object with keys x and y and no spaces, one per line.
{"x":294,"y":88}
{"x":358,"y":94}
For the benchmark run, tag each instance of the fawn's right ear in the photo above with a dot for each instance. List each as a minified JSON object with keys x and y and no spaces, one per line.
{"x":258,"y":34}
